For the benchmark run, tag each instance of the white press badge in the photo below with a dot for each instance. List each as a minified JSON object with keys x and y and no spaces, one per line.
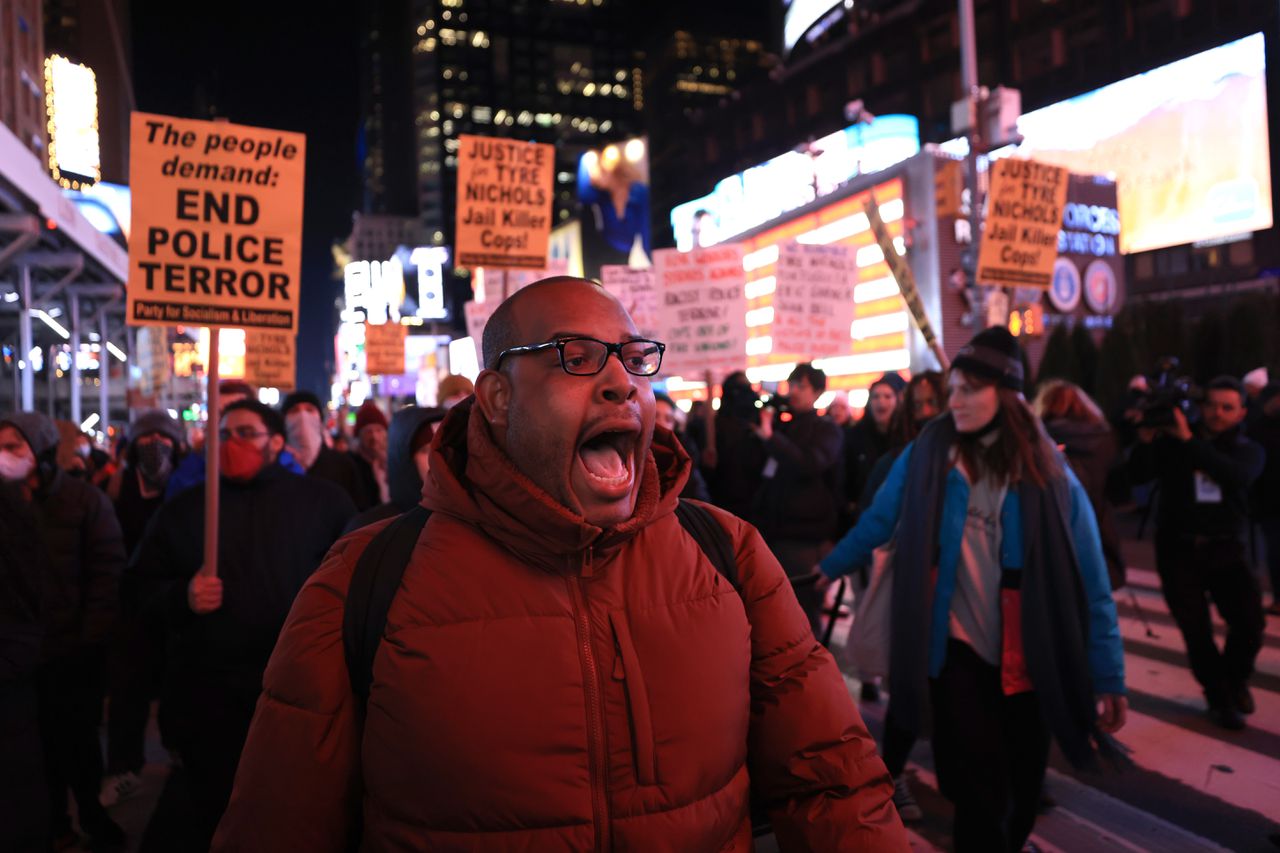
{"x":770,"y":468}
{"x":1207,"y":491}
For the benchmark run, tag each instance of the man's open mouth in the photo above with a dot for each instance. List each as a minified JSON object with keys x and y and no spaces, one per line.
{"x":608,"y":457}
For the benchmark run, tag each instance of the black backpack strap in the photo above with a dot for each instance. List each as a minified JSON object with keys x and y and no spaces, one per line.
{"x":373,"y":586}
{"x":711,"y":537}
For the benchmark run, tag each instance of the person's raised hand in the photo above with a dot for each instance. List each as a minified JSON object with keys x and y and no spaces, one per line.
{"x":764,"y":429}
{"x":1180,"y":430}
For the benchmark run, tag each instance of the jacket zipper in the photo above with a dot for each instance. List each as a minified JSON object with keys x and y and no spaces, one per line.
{"x":597,"y":751}
{"x":626,"y":668}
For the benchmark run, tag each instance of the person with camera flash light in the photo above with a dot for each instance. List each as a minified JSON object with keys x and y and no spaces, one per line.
{"x":800,"y":493}
{"x":1204,"y":476}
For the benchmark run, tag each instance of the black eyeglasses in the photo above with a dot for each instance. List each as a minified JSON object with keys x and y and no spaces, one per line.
{"x":581,"y":356}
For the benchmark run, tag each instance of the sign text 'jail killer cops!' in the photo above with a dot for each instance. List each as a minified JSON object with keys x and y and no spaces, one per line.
{"x":504,"y":202}
{"x":217,"y":224}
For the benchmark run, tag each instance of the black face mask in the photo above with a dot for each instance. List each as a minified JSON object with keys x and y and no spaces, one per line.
{"x":155,"y":462}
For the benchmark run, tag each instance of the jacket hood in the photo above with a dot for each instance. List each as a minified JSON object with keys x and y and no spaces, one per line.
{"x":473,"y":479}
{"x":403,"y":482}
{"x":156,"y":421}
{"x":39,"y":431}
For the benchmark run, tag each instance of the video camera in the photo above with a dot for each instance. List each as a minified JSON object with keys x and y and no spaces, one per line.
{"x":1168,"y":391}
{"x":741,"y":401}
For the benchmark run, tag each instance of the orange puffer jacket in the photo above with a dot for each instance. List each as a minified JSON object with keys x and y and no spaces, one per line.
{"x":546,"y":685}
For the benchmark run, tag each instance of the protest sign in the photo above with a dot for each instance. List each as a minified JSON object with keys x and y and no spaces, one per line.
{"x":636,"y":289}
{"x":500,"y":284}
{"x":384,"y":349}
{"x":154,"y":359}
{"x":813,"y":303}
{"x":702,"y":310}
{"x":217,"y":224}
{"x":504,"y":200}
{"x":478,"y":314}
{"x":270,"y":358}
{"x":1024,"y":215}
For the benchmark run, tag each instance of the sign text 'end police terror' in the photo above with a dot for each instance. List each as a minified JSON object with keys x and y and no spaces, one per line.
{"x":217,"y":223}
{"x":192,"y":245}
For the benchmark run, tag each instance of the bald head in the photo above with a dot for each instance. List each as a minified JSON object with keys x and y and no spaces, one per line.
{"x":505,"y":330}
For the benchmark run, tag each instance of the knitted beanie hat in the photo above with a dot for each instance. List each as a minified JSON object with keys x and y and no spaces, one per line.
{"x":993,"y":354}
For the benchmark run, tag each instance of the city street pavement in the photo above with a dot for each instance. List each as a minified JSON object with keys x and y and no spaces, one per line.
{"x":1193,"y":787}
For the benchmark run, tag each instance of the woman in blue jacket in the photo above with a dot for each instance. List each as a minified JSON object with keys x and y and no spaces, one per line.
{"x":1004,"y":631}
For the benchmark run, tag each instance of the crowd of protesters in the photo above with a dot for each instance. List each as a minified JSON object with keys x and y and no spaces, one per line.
{"x":988,"y":510}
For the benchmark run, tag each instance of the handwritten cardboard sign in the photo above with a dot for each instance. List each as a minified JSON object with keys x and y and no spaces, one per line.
{"x":637,"y":290}
{"x":702,"y":309}
{"x":813,"y":304}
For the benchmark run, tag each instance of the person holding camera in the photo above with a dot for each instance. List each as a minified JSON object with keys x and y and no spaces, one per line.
{"x":799,"y":498}
{"x":1204,"y":477}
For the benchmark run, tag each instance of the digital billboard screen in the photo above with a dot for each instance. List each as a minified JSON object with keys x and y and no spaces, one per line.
{"x":1186,"y":143}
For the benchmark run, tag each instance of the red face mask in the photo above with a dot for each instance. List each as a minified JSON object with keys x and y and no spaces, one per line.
{"x":239,"y":460}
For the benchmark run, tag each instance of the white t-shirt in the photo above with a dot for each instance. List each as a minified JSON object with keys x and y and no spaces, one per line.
{"x":975,"y":606}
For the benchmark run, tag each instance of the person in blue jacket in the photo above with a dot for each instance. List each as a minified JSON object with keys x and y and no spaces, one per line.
{"x":1004,"y":630}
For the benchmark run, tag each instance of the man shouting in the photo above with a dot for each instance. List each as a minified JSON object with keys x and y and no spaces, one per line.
{"x":563,"y":667}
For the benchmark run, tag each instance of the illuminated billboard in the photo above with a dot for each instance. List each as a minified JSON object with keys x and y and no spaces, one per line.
{"x":800,"y":16}
{"x":794,"y":179}
{"x":613,"y":189}
{"x":71,"y":99}
{"x":879,"y":338}
{"x":1186,"y":143}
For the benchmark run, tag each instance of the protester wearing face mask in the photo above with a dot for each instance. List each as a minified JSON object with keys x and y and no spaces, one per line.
{"x":306,"y":439}
{"x":78,"y":531}
{"x":274,"y":529}
{"x":191,"y":470}
{"x":154,"y":447}
{"x":408,"y":461}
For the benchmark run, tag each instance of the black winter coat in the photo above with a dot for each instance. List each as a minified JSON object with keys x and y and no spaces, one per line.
{"x":273,"y":533}
{"x":23,"y":800}
{"x":1092,"y":452}
{"x":1232,"y":461}
{"x":863,"y":447}
{"x":740,"y":458}
{"x":81,"y":590}
{"x":1265,"y":429}
{"x":340,"y":469}
{"x":802,"y":498}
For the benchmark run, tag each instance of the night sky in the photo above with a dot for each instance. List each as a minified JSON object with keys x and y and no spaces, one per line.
{"x":286,"y":65}
{"x":295,"y":66}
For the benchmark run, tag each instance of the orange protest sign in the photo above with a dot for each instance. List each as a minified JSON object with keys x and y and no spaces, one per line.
{"x":217,"y":224}
{"x":384,"y":349}
{"x":1024,"y":216}
{"x":270,"y":358}
{"x":504,"y":202}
